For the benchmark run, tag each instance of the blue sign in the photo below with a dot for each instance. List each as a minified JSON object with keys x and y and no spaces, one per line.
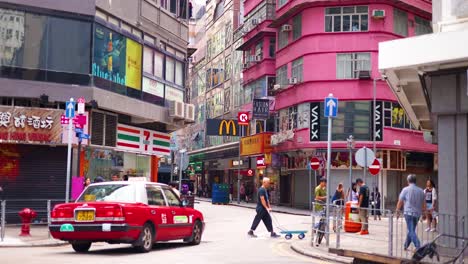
{"x":70,"y":109}
{"x":84,"y":136}
{"x":79,"y":130}
{"x":331,"y":106}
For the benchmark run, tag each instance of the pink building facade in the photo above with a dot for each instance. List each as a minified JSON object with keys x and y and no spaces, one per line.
{"x":305,"y":50}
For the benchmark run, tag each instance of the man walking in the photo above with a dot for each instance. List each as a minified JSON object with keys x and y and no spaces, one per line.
{"x":363,"y":204}
{"x":412,"y":201}
{"x":321,"y":194}
{"x":263,"y":210}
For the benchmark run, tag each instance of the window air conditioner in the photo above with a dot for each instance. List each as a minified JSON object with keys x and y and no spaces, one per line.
{"x":364,"y":75}
{"x":176,"y":110}
{"x":292,"y":80}
{"x":276,"y":87}
{"x":378,"y":13}
{"x":255,"y":22}
{"x":286,"y":28}
{"x":258,"y":58}
{"x":189,"y":113}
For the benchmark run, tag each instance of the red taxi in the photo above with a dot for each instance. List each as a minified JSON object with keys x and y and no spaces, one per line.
{"x":138,"y":213}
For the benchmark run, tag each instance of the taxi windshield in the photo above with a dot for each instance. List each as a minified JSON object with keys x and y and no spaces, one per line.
{"x":108,"y":193}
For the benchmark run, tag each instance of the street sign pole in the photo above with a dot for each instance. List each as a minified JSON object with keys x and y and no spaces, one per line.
{"x":331,"y":110}
{"x":365,"y":166}
{"x":78,"y":157}
{"x":238,"y":171}
{"x":70,"y":113}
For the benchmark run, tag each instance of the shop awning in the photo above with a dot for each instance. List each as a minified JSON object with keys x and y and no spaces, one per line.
{"x":406,"y":62}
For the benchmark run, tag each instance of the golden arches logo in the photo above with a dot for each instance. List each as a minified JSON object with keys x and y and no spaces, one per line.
{"x":227,"y":125}
{"x":258,"y":124}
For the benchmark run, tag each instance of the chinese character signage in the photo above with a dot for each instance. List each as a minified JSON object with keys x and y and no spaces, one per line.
{"x":116,"y":58}
{"x":256,"y":144}
{"x":30,"y":125}
{"x":261,"y":108}
{"x":143,"y":140}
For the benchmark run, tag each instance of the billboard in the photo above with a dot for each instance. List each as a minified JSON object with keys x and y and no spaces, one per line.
{"x":116,"y":58}
{"x":221,"y":127}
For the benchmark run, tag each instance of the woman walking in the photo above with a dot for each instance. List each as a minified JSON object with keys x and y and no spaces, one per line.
{"x":376,"y":202}
{"x":430,"y":195}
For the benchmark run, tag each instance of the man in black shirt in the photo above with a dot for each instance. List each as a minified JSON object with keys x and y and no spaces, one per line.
{"x":363,"y":206}
{"x":263,"y":210}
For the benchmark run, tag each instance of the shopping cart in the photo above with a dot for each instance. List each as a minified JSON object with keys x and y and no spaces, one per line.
{"x":288,"y":234}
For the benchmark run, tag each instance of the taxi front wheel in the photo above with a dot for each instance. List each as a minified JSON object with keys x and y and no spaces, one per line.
{"x":81,"y":247}
{"x":197,"y":231}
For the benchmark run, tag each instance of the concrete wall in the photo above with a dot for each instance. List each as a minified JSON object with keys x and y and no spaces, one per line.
{"x":449,"y":99}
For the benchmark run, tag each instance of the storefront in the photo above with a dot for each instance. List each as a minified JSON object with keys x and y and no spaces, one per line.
{"x":137,"y":154}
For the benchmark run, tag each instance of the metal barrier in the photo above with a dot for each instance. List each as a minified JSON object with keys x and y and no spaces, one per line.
{"x":387,"y":236}
{"x":10,"y":208}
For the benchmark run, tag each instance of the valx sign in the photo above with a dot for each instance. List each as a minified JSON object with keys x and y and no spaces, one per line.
{"x":378,"y":121}
{"x":314,"y":128}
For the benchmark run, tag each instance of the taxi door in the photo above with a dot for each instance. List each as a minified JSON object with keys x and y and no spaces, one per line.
{"x":159,"y":212}
{"x":182,"y":226}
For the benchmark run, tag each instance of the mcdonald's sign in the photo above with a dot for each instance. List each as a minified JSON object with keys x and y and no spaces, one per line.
{"x":222,"y":127}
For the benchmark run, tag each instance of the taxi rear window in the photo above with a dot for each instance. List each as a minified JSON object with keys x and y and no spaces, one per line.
{"x":108,"y":193}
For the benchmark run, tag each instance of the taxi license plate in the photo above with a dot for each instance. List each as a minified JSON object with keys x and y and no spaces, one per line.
{"x":84,"y":215}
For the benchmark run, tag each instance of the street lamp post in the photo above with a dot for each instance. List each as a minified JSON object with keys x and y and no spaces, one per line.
{"x":351,"y":142}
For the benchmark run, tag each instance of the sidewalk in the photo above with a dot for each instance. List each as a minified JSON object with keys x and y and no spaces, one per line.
{"x":252,"y":205}
{"x":39,"y":238}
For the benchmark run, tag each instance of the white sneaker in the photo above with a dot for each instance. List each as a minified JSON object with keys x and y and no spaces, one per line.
{"x":428,"y":229}
{"x":433,"y":230}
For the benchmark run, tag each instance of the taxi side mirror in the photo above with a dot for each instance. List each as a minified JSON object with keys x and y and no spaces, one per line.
{"x":185,"y":203}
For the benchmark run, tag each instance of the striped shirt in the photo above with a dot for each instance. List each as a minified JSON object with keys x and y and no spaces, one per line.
{"x":413,"y":198}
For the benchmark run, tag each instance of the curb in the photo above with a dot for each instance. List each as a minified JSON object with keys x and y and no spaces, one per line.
{"x":321,"y":256}
{"x":35,"y":245}
{"x":248,"y":207}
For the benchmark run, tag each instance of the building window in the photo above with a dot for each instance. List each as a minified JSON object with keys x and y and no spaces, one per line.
{"x":354,"y":118}
{"x":259,"y":49}
{"x":297,"y":69}
{"x":346,"y":19}
{"x":400,"y":22}
{"x":164,"y":4}
{"x":170,"y":64}
{"x":173,"y":6}
{"x":219,"y":10}
{"x":292,"y":121}
{"x":148,"y":60}
{"x":282,"y":75}
{"x":297,"y":27}
{"x":423,"y":26}
{"x":179,"y":73}
{"x":348,"y":65}
{"x":158,"y":64}
{"x":283,"y":38}
{"x":272,"y":48}
{"x":282,"y":3}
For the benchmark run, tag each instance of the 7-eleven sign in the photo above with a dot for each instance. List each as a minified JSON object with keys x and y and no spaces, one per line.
{"x":143,"y":140}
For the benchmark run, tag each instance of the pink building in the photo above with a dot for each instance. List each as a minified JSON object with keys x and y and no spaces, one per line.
{"x":315,"y":48}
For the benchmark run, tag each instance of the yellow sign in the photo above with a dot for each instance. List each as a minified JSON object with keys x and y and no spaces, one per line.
{"x":133,"y":65}
{"x":267,"y":158}
{"x":227,"y":124}
{"x":256,"y":144}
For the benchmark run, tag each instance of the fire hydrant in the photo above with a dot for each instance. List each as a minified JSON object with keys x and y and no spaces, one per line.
{"x":26,"y":217}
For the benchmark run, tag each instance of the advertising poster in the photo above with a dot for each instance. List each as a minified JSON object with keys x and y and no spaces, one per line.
{"x":116,"y":58}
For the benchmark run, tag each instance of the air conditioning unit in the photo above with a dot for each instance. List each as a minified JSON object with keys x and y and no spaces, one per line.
{"x":245,"y":65}
{"x":189,"y":113}
{"x":378,"y":13}
{"x":176,"y":110}
{"x":252,"y":58}
{"x":245,"y":30}
{"x":364,"y":75}
{"x":292,"y":80}
{"x":255,"y":22}
{"x":258,"y":58}
{"x":286,"y":28}
{"x":276,"y":87}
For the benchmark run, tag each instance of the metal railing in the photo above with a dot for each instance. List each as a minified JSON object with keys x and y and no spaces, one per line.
{"x":387,"y":236}
{"x":10,"y":209}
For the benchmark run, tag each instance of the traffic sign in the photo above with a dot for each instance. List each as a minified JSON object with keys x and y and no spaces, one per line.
{"x":361,"y":156}
{"x":243,"y":118}
{"x":314,"y":163}
{"x":78,"y":130}
{"x":81,"y":105}
{"x":374,"y":168}
{"x":64,"y":120}
{"x":250,"y":172}
{"x":331,"y":106}
{"x":70,"y":109}
{"x":84,"y":136}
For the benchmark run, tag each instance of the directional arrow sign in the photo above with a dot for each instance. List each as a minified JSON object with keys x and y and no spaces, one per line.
{"x":331,"y":106}
{"x":70,"y":109}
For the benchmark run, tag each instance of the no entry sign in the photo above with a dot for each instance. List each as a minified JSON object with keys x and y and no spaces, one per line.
{"x":374,"y":169}
{"x":315,"y":163}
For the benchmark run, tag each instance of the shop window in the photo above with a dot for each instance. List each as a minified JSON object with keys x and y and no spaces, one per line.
{"x":394,"y":160}
{"x":348,"y":65}
{"x":399,"y":117}
{"x":400,"y":22}
{"x":422,"y":27}
{"x":297,"y":27}
{"x":346,"y":19}
{"x":297,"y":69}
